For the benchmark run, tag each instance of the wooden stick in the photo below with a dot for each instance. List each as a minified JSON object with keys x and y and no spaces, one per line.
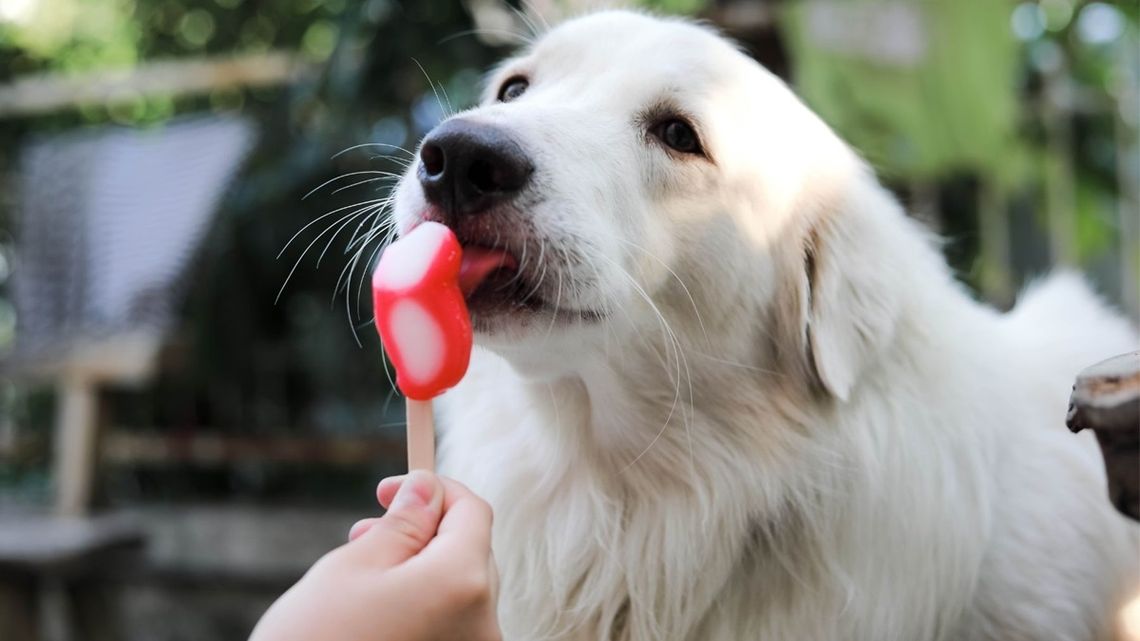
{"x":421,"y":436}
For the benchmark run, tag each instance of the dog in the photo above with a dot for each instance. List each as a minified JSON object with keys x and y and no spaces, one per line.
{"x":724,"y":388}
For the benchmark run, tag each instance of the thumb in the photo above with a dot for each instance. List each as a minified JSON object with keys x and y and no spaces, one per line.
{"x":410,"y":522}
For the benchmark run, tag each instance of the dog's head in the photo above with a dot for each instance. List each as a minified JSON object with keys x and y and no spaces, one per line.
{"x":626,"y":173}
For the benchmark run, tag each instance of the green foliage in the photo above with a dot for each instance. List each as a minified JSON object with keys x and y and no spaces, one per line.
{"x":1095,"y":216}
{"x":75,"y":35}
{"x":917,"y":103}
{"x":685,"y":7}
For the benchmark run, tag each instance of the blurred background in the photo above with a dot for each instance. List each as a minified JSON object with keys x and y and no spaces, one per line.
{"x":193,"y":403}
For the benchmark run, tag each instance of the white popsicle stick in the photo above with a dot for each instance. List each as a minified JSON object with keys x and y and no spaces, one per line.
{"x":421,"y":436}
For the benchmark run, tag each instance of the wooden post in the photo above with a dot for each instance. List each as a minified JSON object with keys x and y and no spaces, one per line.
{"x":1106,"y":400}
{"x":75,"y":441}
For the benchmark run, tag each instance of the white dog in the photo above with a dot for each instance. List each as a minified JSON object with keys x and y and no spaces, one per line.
{"x":725,"y":389}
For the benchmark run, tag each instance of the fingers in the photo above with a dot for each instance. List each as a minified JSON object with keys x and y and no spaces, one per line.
{"x":360,"y":527}
{"x":464,"y":534}
{"x":385,"y":492}
{"x":458,"y":561}
{"x":411,"y":522}
{"x":465,"y":514}
{"x":387,"y":488}
{"x":464,"y":531}
{"x":455,"y":491}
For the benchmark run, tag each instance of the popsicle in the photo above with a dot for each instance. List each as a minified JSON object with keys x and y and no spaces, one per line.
{"x":418,"y":291}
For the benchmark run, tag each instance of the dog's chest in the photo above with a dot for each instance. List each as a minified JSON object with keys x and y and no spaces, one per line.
{"x":582,"y":557}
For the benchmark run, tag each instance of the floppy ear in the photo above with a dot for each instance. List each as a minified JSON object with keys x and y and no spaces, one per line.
{"x":839,"y":305}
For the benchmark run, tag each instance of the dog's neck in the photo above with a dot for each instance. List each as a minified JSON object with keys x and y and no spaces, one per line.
{"x":637,"y":399}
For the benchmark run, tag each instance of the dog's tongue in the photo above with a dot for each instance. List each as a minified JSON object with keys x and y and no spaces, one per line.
{"x":478,"y":263}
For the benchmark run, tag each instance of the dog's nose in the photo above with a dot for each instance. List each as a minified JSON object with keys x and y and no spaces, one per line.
{"x":467,"y":167}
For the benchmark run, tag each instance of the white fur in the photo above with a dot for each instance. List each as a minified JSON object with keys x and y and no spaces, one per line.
{"x":792,"y":424}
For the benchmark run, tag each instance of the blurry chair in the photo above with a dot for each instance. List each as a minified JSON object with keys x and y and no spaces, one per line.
{"x":107,"y":221}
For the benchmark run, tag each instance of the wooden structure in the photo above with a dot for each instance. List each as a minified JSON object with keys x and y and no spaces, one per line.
{"x":99,"y":260}
{"x":1106,"y":399}
{"x":49,"y":92}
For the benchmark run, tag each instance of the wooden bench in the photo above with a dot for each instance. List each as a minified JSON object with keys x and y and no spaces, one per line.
{"x":54,"y":575}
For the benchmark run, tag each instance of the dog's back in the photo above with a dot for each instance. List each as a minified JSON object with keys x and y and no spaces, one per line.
{"x":1064,"y":327}
{"x":1056,"y":529}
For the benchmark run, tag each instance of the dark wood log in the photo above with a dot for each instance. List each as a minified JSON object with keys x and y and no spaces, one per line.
{"x":1106,"y":400}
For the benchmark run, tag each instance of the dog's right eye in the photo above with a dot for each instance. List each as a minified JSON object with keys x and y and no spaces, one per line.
{"x":678,"y":135}
{"x":513,"y":88}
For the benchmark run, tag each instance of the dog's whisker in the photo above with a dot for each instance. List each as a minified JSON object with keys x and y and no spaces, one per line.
{"x":363,"y":241}
{"x":534,"y":30}
{"x":558,"y":300}
{"x":364,"y":182}
{"x":447,"y":110}
{"x":369,"y":221}
{"x":370,"y":234}
{"x":530,"y":6}
{"x":320,"y":218}
{"x":340,"y":226}
{"x":388,"y":237}
{"x":402,"y":163}
{"x":375,"y":144}
{"x":686,"y":412}
{"x":522,"y":267}
{"x":554,"y":310}
{"x":541,"y":256}
{"x":347,"y":272}
{"x":308,"y":247}
{"x":350,"y":174}
{"x":692,"y":301}
{"x":609,"y":335}
{"x":672,"y":346}
{"x":521,"y":38}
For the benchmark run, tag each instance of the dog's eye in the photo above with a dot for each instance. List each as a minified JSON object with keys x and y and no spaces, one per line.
{"x":679,"y":135}
{"x":513,"y":88}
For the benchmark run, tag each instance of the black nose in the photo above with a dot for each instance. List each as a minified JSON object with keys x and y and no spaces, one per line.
{"x":467,"y":167}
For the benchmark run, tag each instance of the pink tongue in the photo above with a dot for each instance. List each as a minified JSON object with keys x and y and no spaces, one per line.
{"x":478,"y":263}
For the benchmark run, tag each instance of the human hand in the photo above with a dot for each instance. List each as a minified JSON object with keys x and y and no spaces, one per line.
{"x":421,"y":572}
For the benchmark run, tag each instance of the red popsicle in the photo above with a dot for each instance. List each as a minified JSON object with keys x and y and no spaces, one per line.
{"x":420,"y":311}
{"x":418,"y":292}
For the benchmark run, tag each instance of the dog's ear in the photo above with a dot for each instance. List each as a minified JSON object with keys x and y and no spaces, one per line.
{"x":839,"y":308}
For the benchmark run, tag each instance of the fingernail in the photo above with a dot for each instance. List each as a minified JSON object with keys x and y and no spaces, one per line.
{"x":417,"y":490}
